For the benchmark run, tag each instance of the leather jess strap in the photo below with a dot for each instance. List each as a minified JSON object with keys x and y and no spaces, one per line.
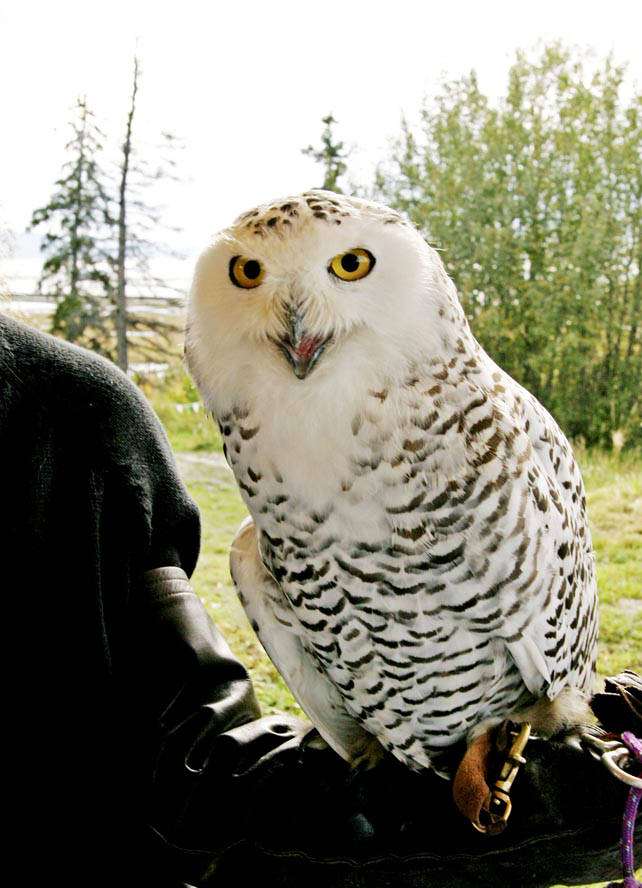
{"x":486,"y":773}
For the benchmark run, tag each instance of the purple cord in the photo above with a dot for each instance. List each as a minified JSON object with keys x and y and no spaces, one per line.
{"x":628,"y":822}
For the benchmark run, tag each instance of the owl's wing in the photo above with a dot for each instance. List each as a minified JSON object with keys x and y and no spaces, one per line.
{"x":571,"y":631}
{"x":509,"y":538}
{"x":558,"y":647}
{"x":276,"y":627}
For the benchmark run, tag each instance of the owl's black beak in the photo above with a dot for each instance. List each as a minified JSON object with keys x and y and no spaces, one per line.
{"x":301,"y":350}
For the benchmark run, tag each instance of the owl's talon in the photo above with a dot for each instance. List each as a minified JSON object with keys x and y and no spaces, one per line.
{"x":369,"y":756}
{"x":313,"y":740}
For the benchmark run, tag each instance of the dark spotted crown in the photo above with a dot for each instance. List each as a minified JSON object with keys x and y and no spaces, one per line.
{"x":326,"y":206}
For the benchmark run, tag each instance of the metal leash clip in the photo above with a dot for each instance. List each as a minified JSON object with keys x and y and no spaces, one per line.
{"x":616,"y":760}
{"x":499,"y":804}
{"x":613,"y":754}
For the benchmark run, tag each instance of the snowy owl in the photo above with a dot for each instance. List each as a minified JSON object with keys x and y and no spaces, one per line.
{"x":417,"y":562}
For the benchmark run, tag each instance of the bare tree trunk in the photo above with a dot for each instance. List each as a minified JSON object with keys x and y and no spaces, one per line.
{"x":120,"y":316}
{"x":74,"y":274}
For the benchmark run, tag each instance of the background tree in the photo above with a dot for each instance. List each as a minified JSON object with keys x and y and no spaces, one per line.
{"x":101,"y":240}
{"x":120,"y":314}
{"x":537,"y":207}
{"x":137,"y":243}
{"x":77,"y":269}
{"x":331,"y":155}
{"x":6,"y":249}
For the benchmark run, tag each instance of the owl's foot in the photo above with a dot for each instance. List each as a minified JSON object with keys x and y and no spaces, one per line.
{"x":548,"y":717}
{"x":368,"y":756}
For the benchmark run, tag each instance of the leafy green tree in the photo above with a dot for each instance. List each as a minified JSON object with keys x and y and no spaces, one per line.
{"x":331,"y":155}
{"x":537,"y":206}
{"x":77,"y":269}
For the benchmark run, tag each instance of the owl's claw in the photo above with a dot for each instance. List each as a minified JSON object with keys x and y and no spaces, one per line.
{"x":313,"y":740}
{"x":368,"y":756}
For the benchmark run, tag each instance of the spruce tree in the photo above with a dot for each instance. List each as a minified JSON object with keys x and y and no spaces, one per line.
{"x":102,"y":237}
{"x":331,"y":155}
{"x":77,"y":269}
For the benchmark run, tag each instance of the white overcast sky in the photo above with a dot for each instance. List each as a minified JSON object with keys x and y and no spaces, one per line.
{"x":245,"y":84}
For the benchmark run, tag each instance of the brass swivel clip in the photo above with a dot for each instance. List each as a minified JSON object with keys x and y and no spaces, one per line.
{"x":498,"y":805}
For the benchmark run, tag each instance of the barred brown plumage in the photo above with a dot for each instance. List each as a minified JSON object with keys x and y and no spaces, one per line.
{"x":418,"y":561}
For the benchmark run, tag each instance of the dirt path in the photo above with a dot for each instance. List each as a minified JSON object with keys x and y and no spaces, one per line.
{"x":207,"y":466}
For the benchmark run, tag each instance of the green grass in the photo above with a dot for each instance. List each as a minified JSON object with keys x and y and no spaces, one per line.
{"x":178,"y":407}
{"x":614,"y":496}
{"x":213,"y":487}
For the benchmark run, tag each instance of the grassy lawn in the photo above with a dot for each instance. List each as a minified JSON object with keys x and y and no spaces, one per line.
{"x":212,"y":485}
{"x":196,"y":442}
{"x":614,"y":491}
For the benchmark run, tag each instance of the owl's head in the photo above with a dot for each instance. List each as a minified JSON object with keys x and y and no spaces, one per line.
{"x":317,"y":282}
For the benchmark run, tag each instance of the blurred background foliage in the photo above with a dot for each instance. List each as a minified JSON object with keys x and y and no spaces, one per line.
{"x":536,"y":205}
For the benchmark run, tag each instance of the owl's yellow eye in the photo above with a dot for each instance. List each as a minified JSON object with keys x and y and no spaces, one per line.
{"x":353,"y":265}
{"x":246,"y":273}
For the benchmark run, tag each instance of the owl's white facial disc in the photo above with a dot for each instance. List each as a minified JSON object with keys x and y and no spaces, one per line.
{"x":306,"y":284}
